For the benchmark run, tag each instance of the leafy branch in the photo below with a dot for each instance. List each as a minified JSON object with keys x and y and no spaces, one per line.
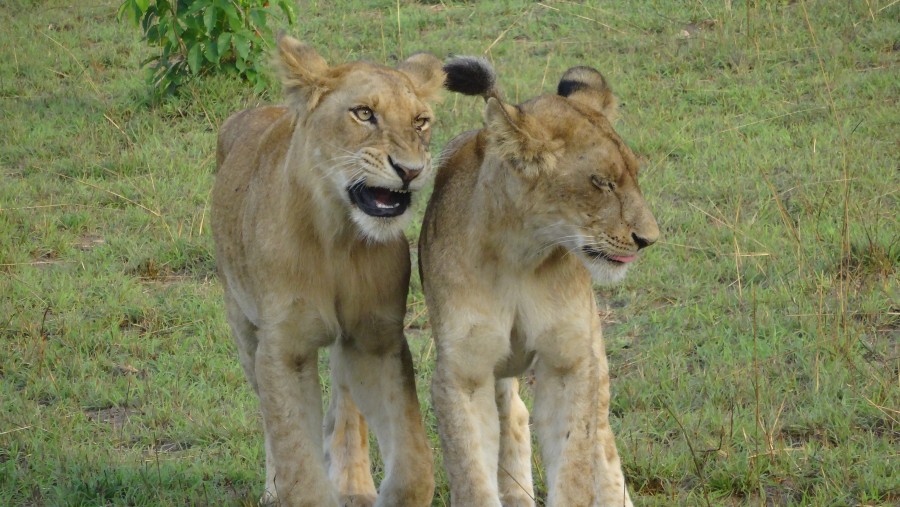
{"x":196,"y":37}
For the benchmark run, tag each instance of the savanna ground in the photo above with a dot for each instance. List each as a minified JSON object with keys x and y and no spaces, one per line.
{"x":755,"y":351}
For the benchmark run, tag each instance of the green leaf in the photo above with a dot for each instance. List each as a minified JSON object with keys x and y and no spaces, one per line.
{"x":259,"y":85}
{"x":288,"y":9}
{"x":193,"y":10}
{"x":130,"y":9}
{"x":147,"y":19}
{"x":195,"y":58}
{"x":142,"y":4}
{"x":209,"y":18}
{"x":241,"y":45}
{"x":164,"y":6}
{"x":172,"y":37}
{"x":153,"y":34}
{"x":149,"y":60}
{"x":212,"y":53}
{"x":224,"y":42}
{"x":234,"y":18}
{"x":241,"y":65}
{"x":196,"y":26}
{"x":258,"y":17}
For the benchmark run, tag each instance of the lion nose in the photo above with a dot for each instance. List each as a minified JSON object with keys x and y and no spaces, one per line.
{"x":406,"y":174}
{"x":642,"y":242}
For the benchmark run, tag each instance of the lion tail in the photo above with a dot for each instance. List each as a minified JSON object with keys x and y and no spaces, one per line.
{"x":471,"y":75}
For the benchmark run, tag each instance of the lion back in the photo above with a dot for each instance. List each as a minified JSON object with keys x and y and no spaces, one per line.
{"x":247,"y":128}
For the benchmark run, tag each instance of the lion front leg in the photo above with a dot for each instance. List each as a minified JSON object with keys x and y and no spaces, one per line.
{"x":470,"y":436}
{"x":611,"y":485}
{"x":377,"y":371}
{"x":514,"y":467}
{"x":565,"y":411}
{"x":572,"y":420}
{"x":291,"y":403}
{"x":463,"y":396}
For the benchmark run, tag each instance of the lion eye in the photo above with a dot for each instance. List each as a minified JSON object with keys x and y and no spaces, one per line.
{"x":421,"y":123}
{"x":363,"y":113}
{"x":601,"y":183}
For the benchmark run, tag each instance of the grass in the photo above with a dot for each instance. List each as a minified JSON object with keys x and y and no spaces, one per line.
{"x":755,"y":351}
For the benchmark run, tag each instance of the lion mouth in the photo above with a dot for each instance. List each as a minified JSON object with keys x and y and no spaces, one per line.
{"x":595,"y":254}
{"x":378,"y":201}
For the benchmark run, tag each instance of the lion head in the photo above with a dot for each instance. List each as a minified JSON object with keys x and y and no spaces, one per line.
{"x":557,"y":160}
{"x":363,"y":130}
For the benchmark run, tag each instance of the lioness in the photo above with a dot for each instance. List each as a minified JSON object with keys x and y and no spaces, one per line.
{"x":524,"y":211}
{"x":307,"y":214}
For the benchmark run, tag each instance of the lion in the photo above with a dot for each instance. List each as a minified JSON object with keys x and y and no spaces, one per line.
{"x":308,"y":210}
{"x":524,"y":213}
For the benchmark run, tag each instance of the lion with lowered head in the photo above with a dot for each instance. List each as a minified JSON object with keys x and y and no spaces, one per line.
{"x":524,"y":212}
{"x":308,"y":211}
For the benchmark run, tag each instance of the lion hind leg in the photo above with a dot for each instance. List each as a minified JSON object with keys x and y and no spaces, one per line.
{"x":381,"y":382}
{"x":347,"y":449}
{"x":611,"y":481}
{"x":514,"y":466}
{"x":247,"y":340}
{"x":245,"y":336}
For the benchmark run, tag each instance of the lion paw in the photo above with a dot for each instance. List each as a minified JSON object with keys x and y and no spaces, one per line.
{"x":362,"y":500}
{"x":517,"y":501}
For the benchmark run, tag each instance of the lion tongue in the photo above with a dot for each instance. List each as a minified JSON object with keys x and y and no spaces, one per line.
{"x":384,"y":198}
{"x":623,"y":259}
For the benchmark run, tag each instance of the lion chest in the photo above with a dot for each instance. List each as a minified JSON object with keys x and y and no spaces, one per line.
{"x":356,"y":290}
{"x":549,"y":316}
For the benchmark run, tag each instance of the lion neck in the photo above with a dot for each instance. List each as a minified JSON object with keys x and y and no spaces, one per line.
{"x":509,"y":222}
{"x":309,"y":201}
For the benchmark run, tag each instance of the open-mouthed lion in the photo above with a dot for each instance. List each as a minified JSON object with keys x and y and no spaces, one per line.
{"x":524,"y":211}
{"x":308,"y":211}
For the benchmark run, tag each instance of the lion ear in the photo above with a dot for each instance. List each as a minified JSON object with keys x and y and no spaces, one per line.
{"x":587,"y":87}
{"x":427,"y":74}
{"x":304,"y":74}
{"x":516,"y":137}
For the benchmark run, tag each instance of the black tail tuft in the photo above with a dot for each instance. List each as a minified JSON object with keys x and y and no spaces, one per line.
{"x":470,"y":75}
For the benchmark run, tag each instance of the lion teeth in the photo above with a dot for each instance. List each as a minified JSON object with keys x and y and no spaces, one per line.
{"x":387,"y":206}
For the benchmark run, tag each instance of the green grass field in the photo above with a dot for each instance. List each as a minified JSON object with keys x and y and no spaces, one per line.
{"x":755,"y":351}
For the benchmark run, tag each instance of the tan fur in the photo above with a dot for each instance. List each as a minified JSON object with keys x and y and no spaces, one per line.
{"x":304,"y":267}
{"x":508,"y":286}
